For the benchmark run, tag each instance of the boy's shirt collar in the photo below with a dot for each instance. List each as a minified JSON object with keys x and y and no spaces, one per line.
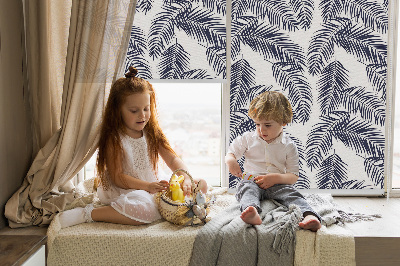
{"x":279,"y":139}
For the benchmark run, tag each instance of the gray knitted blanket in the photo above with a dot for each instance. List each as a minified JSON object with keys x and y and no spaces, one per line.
{"x":227,"y":240}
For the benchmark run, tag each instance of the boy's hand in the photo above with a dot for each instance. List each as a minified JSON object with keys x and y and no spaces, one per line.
{"x":234,"y":169}
{"x":265,"y":181}
{"x":154,"y":187}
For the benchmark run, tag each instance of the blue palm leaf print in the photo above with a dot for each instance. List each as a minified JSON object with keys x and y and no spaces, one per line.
{"x":240,"y":123}
{"x":137,"y":48}
{"x":321,"y":48}
{"x":377,"y":76}
{"x":357,"y":40}
{"x":239,"y":8}
{"x":218,"y":5}
{"x":319,"y":141}
{"x":242,"y":79}
{"x":331,"y":9}
{"x":303,"y":182}
{"x":300,"y":96}
{"x":370,"y":13}
{"x":354,"y":184}
{"x":216,"y":57}
{"x":203,"y":25}
{"x":239,"y":27}
{"x":196,"y":74}
{"x":332,"y":173}
{"x":358,"y":100}
{"x":162,"y":29}
{"x":277,"y":12}
{"x":361,"y":136}
{"x":334,"y":78}
{"x":144,"y":5}
{"x":358,"y":135}
{"x":385,"y":5}
{"x":304,"y":10}
{"x":374,"y":167}
{"x":363,"y":43}
{"x":175,"y":61}
{"x":273,"y":45}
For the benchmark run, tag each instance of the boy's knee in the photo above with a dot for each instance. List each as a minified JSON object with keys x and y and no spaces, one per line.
{"x":245,"y":187}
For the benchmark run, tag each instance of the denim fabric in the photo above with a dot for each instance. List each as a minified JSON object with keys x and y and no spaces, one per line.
{"x":250,"y":194}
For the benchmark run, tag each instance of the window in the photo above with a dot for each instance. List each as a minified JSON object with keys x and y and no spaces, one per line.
{"x":190,"y":116}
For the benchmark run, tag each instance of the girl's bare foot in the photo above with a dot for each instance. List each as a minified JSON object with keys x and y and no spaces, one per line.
{"x":310,"y":222}
{"x":250,"y":216}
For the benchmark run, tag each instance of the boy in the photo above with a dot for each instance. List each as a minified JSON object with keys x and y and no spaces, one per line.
{"x":273,"y":159}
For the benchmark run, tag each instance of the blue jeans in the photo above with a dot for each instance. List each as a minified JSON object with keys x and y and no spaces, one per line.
{"x":250,"y":194}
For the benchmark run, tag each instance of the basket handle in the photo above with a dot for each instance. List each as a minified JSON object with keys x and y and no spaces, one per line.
{"x":186,"y":172}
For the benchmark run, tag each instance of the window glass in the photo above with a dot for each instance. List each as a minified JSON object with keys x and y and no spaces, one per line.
{"x":190,"y":116}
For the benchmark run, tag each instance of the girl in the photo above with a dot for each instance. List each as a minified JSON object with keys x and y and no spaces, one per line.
{"x":131,"y":142}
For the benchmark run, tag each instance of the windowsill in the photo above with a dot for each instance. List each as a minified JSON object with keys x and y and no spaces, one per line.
{"x":380,"y":227}
{"x":394,"y":193}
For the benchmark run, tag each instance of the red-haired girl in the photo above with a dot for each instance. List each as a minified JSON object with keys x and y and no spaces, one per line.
{"x":131,"y":142}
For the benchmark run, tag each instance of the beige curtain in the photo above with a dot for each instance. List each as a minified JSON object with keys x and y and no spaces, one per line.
{"x":99,"y":32}
{"x":46,"y":38}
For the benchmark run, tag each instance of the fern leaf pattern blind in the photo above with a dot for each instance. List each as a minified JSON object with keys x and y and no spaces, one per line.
{"x":329,"y":57}
{"x":179,"y":40}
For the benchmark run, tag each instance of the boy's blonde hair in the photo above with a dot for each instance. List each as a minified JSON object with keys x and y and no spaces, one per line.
{"x":271,"y":105}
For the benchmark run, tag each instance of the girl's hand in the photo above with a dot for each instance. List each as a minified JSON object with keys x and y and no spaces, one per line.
{"x":265,"y":181}
{"x":157,"y":186}
{"x":187,"y":186}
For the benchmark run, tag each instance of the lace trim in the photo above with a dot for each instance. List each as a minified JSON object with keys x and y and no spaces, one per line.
{"x":140,"y":158}
{"x":88,"y":213}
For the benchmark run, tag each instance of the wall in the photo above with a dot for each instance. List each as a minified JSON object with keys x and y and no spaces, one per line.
{"x":15,"y":131}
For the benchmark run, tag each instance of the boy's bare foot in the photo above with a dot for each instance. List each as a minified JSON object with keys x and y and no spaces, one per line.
{"x":250,"y":216}
{"x":310,"y":222}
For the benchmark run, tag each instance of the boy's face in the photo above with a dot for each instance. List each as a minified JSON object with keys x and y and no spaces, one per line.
{"x":268,"y":130}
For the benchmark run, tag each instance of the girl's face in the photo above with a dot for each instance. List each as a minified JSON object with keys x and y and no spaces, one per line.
{"x":268,"y":130}
{"x":136,"y":113}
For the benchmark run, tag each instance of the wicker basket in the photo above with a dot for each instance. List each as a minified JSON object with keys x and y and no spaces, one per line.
{"x":176,"y":212}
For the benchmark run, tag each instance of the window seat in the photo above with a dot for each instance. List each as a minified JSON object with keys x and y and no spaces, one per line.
{"x":376,"y":242}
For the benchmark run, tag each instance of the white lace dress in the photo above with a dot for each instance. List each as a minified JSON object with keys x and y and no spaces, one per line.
{"x":138,"y":205}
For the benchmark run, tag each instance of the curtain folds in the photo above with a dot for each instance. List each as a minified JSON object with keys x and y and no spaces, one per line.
{"x":99,"y":33}
{"x":46,"y":38}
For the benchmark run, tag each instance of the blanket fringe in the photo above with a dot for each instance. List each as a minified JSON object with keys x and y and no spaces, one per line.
{"x":288,"y":225}
{"x":350,"y":217}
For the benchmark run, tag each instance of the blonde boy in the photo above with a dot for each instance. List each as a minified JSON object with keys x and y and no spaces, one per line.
{"x":272,"y":157}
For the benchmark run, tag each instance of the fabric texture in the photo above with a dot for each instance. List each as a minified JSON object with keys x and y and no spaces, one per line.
{"x":273,"y":242}
{"x":159,"y":243}
{"x":250,"y":194}
{"x":46,"y":37}
{"x":328,"y":246}
{"x":135,"y":245}
{"x":98,"y":37}
{"x":279,"y":156}
{"x":138,"y":205}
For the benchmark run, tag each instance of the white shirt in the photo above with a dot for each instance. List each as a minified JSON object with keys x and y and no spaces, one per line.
{"x":279,"y":156}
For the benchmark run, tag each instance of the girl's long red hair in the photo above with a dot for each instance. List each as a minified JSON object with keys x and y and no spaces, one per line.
{"x":112,"y":127}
